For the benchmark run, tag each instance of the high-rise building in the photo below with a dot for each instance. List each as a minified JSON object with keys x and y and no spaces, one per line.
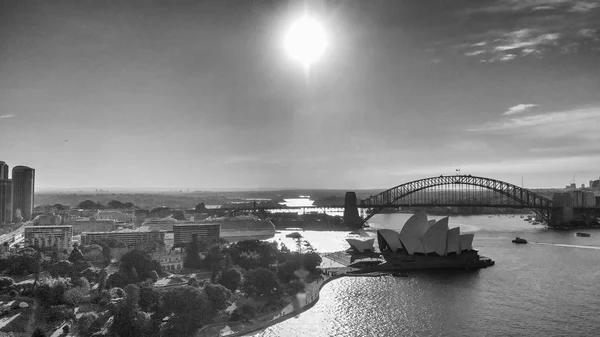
{"x":5,"y":201}
{"x":3,"y":170}
{"x":5,"y":193}
{"x":23,"y":184}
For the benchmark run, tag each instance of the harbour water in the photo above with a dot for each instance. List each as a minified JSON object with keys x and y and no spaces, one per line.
{"x":549,"y":287}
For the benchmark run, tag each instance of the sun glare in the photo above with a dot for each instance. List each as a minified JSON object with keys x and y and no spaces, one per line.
{"x":306,"y":40}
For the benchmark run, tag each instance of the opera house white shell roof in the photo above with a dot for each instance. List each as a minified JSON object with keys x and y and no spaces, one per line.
{"x":361,"y":245}
{"x":435,"y":238}
{"x":420,"y":235}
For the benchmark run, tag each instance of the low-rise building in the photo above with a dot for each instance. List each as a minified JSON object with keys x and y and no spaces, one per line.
{"x":83,"y":213}
{"x":130,"y":238}
{"x":91,"y":225}
{"x":47,"y":219}
{"x":170,"y":261}
{"x":115,"y":215}
{"x":48,"y":236}
{"x":183,"y":233}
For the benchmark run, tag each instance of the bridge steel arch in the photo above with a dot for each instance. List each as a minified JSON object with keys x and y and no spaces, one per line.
{"x":542,"y":206}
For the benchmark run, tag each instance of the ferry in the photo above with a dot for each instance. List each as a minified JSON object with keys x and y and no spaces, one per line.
{"x":519,"y":240}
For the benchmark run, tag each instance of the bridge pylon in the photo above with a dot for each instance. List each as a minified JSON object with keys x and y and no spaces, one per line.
{"x":351,"y":217}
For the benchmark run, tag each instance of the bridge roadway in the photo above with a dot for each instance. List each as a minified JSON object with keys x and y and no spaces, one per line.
{"x":396,"y":206}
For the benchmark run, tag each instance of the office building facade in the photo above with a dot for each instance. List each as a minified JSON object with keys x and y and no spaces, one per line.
{"x":183,"y":233}
{"x":49,"y":236}
{"x":5,"y":195}
{"x":5,"y":201}
{"x":23,"y":185}
{"x":129,"y":238}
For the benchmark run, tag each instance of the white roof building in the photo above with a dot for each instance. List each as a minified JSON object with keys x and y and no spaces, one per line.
{"x":420,"y":235}
{"x":360,"y":245}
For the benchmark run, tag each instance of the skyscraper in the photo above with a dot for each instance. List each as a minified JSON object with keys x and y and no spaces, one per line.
{"x":23,"y":181}
{"x":3,"y":170}
{"x":5,"y":194}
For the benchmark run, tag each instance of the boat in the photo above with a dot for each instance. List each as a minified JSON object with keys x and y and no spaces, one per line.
{"x":400,"y":274}
{"x":585,"y":235}
{"x":294,"y":235}
{"x":519,"y":240}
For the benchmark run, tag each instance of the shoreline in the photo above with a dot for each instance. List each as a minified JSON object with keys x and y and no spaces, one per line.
{"x":294,"y":312}
{"x":263,"y":325}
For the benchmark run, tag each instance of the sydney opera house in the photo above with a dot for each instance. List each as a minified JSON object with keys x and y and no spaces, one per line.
{"x":424,"y":243}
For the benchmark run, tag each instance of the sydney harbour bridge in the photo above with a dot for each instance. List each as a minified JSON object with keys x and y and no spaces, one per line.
{"x":459,"y":191}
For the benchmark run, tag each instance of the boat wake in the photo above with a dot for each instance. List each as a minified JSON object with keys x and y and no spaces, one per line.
{"x":565,"y":245}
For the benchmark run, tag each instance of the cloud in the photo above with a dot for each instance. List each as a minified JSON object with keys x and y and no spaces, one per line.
{"x":578,"y":125}
{"x":545,"y":27}
{"x":584,"y":7}
{"x":519,"y":108}
{"x":7,"y":116}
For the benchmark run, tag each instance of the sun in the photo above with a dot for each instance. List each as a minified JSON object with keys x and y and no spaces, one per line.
{"x":306,"y":40}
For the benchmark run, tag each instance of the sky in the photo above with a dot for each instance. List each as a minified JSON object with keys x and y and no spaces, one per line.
{"x":201,"y":94}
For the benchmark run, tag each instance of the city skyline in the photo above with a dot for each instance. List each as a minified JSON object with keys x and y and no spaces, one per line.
{"x":201,"y":95}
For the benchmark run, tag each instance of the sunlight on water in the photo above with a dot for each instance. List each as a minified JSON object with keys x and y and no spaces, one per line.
{"x":533,"y":290}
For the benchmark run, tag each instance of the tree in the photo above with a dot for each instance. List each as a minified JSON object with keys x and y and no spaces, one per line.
{"x":90,"y":204}
{"x":60,"y":207}
{"x":192,"y":254}
{"x":267,"y":252}
{"x":231,"y":279}
{"x":62,"y":269}
{"x":149,"y":298}
{"x":191,"y":308}
{"x":132,"y":292}
{"x":116,"y":204}
{"x":311,"y":261}
{"x":5,"y":283}
{"x":38,"y":332}
{"x":51,"y":291}
{"x":214,"y":259}
{"x":116,"y":280}
{"x":261,"y":282}
{"x":286,"y":271}
{"x":128,"y":320}
{"x":200,"y":208}
{"x":76,"y":254}
{"x":218,"y":295}
{"x":138,"y":266}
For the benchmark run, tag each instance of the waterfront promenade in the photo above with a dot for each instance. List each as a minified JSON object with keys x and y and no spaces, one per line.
{"x":331,"y":270}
